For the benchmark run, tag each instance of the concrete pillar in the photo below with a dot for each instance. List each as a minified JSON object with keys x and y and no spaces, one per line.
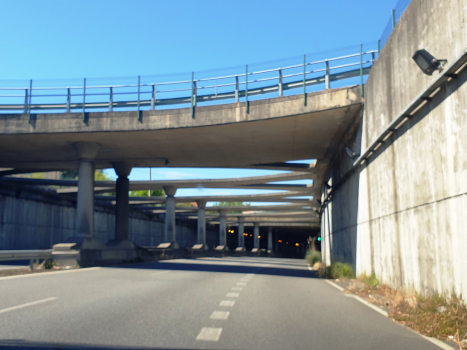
{"x":169,"y":233}
{"x":201,"y":237}
{"x":122,"y":206}
{"x":270,"y":239}
{"x":86,"y":153}
{"x":223,"y":228}
{"x":241,"y":231}
{"x":256,"y":235}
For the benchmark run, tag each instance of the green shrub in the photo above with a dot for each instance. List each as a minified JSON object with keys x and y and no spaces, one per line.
{"x":342,"y":270}
{"x":49,"y":263}
{"x":370,"y":281}
{"x":313,"y":256}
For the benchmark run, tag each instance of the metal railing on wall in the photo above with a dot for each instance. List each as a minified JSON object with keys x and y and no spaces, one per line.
{"x":396,"y":14}
{"x":145,"y":95}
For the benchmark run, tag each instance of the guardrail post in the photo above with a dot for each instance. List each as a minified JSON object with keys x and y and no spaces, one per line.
{"x":30,"y":101}
{"x":304,"y":80}
{"x":379,"y":47}
{"x":139,"y":94}
{"x":327,"y":82}
{"x":247,"y":107}
{"x":153,"y":97}
{"x":361,"y":70}
{"x":31,"y":265}
{"x":84,"y":101}
{"x":216,"y":88}
{"x":68,"y":100}
{"x":111,"y":99}
{"x":281,"y":93}
{"x":236,"y":89}
{"x":193,"y":94}
{"x":26,"y":96}
{"x":393,"y":19}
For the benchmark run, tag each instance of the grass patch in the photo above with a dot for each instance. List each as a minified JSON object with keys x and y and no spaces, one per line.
{"x":370,"y":281}
{"x":313,"y":256}
{"x":337,"y":270}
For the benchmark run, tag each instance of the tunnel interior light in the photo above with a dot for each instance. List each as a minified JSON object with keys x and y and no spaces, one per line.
{"x":426,"y":62}
{"x":297,"y":244}
{"x":259,"y":236}
{"x":251,"y":235}
{"x":280,"y":241}
{"x":286,"y":242}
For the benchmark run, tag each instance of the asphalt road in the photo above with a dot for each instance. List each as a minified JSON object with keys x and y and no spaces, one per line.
{"x":229,"y":303}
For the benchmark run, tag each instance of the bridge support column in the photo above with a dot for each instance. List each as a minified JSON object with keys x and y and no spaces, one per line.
{"x":169,"y":233}
{"x":122,"y":206}
{"x":223,"y":228}
{"x":241,"y":232}
{"x":256,"y":235}
{"x":201,"y":237}
{"x":270,"y":246}
{"x":86,"y":153}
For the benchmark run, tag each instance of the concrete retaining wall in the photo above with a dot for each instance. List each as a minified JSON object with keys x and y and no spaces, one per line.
{"x":412,"y":196}
{"x":39,"y":223}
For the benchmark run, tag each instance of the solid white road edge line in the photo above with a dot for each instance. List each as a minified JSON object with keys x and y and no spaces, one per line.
{"x":26,"y":305}
{"x":50,"y":273}
{"x":335,"y":285}
{"x":363,"y":301}
{"x":435,"y":341}
{"x":159,"y":273}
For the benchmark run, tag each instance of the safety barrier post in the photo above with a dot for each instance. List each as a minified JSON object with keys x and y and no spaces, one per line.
{"x":84,"y":100}
{"x":153,"y":97}
{"x":304,"y":80}
{"x":111,"y":99}
{"x":361,"y":70}
{"x":246,"y":90}
{"x":237,"y":97}
{"x":139,"y":98}
{"x":327,"y":81}
{"x":193,"y":95}
{"x":379,"y":47}
{"x":30,"y":101}
{"x":393,"y":19}
{"x":68,"y":100}
{"x":281,"y":93}
{"x":26,"y":96}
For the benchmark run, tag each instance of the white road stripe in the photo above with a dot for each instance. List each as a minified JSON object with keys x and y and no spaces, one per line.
{"x":26,"y":305}
{"x":232,"y":295}
{"x":159,"y":273}
{"x":209,"y":334}
{"x":49,"y":273}
{"x":220,"y":315}
{"x":244,"y":280}
{"x":250,"y":274}
{"x":237,"y":288}
{"x":335,"y":285}
{"x":241,"y":284}
{"x":227,"y":303}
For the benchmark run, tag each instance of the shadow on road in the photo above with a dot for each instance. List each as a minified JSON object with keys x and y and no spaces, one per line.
{"x":223,"y":266}
{"x":24,"y":344}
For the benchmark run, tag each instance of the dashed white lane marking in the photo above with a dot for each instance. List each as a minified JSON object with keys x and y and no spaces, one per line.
{"x":26,"y":305}
{"x":220,"y":315}
{"x":159,"y":273}
{"x":250,"y":274}
{"x":245,"y":280}
{"x":232,"y":295}
{"x":209,"y":334}
{"x":241,"y":284}
{"x":237,"y":288}
{"x":227,"y":303}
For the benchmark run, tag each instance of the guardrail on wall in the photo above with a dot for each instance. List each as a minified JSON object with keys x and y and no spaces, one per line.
{"x":31,"y":255}
{"x":142,"y":95}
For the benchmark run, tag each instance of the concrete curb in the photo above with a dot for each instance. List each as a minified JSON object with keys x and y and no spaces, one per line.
{"x":434,"y":341}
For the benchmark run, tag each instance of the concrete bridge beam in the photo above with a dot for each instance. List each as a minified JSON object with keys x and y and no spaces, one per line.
{"x":169,"y":233}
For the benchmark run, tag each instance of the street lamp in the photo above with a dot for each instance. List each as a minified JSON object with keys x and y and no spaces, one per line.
{"x":427,"y":63}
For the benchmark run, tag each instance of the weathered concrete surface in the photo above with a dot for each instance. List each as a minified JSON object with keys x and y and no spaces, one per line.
{"x":294,"y":131}
{"x":412,"y":200}
{"x":30,"y":221}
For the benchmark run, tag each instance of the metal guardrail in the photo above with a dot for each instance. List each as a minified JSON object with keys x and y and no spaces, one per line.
{"x":268,"y":81}
{"x":31,"y":255}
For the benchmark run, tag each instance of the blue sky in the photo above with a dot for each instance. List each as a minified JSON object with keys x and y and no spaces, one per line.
{"x":59,"y":39}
